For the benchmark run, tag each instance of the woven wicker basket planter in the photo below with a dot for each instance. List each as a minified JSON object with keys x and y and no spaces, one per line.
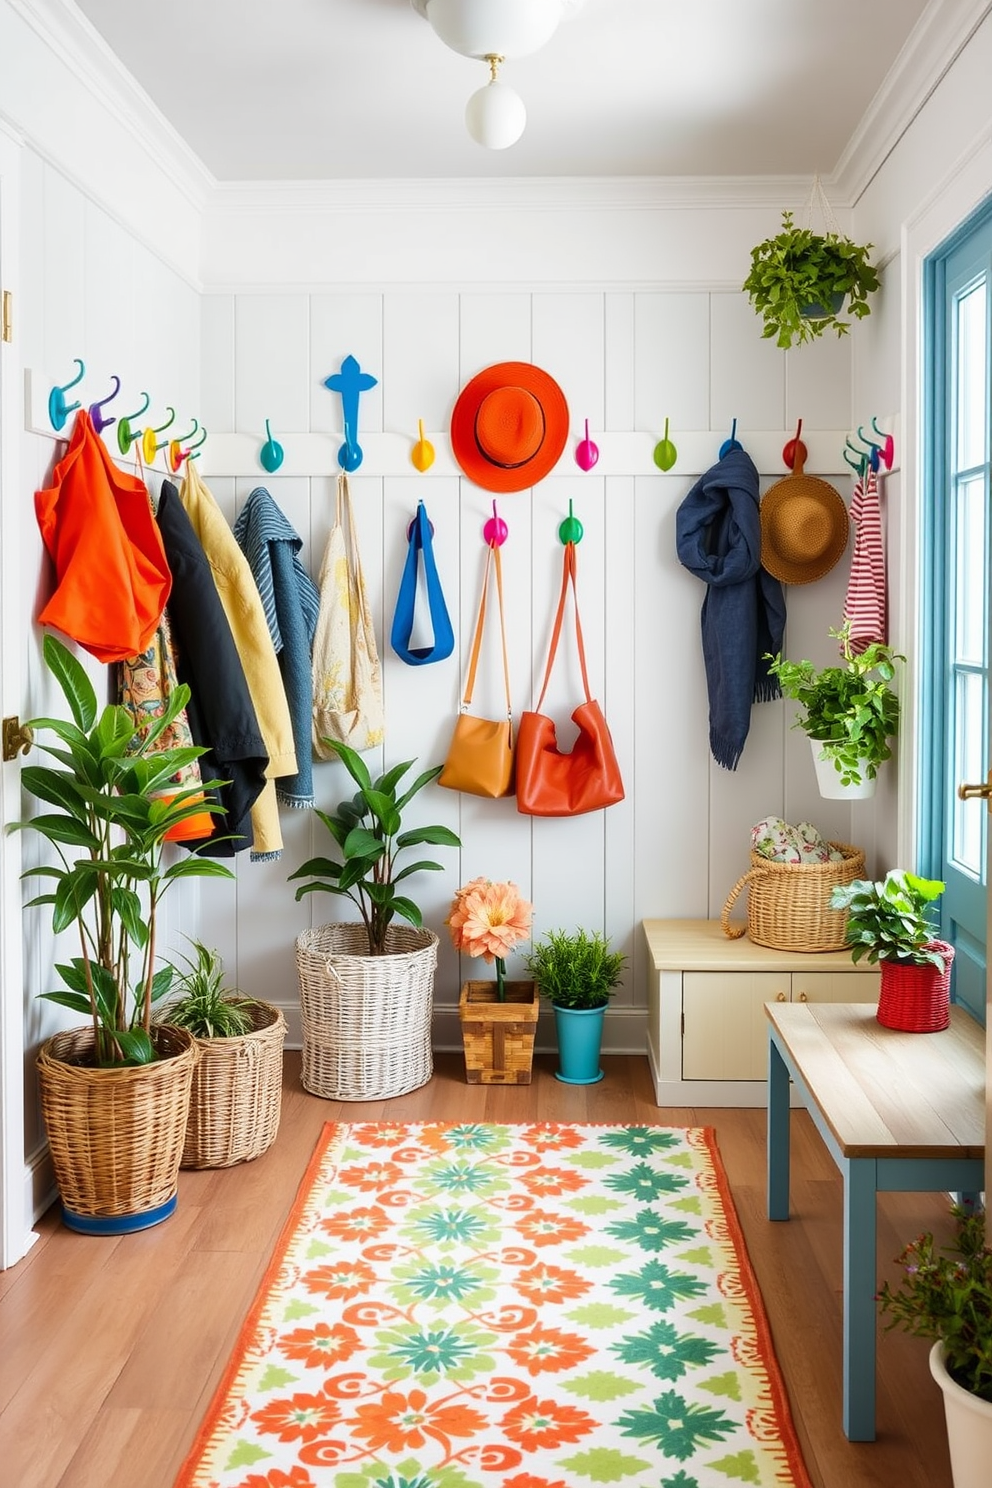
{"x":237,"y":1093}
{"x":116,"y":1135}
{"x":498,"y":1036}
{"x":916,"y":999}
{"x":366,"y":1019}
{"x":788,"y":903}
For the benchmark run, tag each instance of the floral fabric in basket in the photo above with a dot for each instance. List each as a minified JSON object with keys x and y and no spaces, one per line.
{"x":775,"y":840}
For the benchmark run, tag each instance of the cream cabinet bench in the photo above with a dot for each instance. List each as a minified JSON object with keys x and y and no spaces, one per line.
{"x":707,"y":1033}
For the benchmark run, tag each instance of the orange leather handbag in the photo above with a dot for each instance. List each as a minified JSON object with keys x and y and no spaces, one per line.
{"x":549,"y":782}
{"x":480,"y":757}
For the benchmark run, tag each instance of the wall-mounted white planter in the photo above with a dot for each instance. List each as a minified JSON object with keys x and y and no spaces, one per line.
{"x":829,"y":782}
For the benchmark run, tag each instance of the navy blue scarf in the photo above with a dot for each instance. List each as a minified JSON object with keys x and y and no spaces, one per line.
{"x":718,"y":538}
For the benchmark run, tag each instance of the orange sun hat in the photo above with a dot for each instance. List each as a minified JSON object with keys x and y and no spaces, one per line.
{"x":509,"y":426}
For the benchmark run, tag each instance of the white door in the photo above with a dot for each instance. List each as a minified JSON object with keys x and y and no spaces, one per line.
{"x":15,"y":1216}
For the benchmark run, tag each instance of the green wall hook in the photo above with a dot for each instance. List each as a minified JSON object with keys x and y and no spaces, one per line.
{"x":126,"y":436}
{"x":570,"y":531}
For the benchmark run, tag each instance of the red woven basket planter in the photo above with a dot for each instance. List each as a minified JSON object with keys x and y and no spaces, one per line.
{"x":916,"y":999}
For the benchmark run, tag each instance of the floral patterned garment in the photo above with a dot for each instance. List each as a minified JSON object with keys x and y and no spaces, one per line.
{"x":479,"y":1306}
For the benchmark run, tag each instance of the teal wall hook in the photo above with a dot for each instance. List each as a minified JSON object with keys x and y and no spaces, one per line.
{"x":271,"y":454}
{"x":126,"y":436}
{"x":58,"y":409}
{"x":176,"y":452}
{"x":96,"y":409}
{"x":350,"y":382}
{"x":193,"y":452}
{"x":570,"y":531}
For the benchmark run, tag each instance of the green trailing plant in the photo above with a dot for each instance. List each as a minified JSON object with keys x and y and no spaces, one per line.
{"x":945,"y":1294}
{"x":204,"y":1003}
{"x":799,"y":279}
{"x":850,"y":709}
{"x":889,"y":920}
{"x":575,"y":970}
{"x":112,"y":802}
{"x":367,"y":829}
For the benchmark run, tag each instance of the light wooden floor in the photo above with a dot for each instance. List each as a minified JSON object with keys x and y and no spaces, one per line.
{"x":110,"y":1349}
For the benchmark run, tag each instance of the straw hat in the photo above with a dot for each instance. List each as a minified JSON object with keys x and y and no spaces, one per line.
{"x":509,"y":426}
{"x":804,"y":528}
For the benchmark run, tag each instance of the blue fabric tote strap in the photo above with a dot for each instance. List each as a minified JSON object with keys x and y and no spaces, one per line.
{"x":421,"y":546}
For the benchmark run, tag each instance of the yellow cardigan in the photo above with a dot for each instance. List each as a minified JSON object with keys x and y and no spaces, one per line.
{"x":246,"y":617}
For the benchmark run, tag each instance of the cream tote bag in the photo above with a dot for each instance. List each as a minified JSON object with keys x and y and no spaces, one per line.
{"x":347,"y":676}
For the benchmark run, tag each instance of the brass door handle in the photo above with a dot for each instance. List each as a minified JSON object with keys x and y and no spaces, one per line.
{"x":976,"y":792}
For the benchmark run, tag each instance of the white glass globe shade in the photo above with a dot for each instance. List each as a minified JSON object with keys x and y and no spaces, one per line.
{"x":508,"y":28}
{"x":495,"y":116}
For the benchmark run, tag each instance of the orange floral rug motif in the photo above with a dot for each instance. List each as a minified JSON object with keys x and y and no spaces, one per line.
{"x":479,"y":1306}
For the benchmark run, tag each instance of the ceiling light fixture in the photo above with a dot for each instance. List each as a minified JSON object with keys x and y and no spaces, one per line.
{"x":491,"y":31}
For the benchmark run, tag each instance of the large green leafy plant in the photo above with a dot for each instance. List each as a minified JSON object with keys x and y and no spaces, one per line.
{"x":575,"y":970}
{"x":112,"y":803}
{"x":799,"y":279}
{"x":889,"y":920}
{"x":367,"y":829}
{"x":945,"y":1294}
{"x":850,"y":709}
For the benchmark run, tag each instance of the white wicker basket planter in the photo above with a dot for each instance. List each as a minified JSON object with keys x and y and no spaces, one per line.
{"x":366,"y":1019}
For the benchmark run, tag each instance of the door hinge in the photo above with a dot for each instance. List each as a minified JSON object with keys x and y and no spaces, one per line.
{"x":7,"y":317}
{"x":17,"y":738}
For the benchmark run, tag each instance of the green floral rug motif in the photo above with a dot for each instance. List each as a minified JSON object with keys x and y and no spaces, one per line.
{"x":480,"y":1306}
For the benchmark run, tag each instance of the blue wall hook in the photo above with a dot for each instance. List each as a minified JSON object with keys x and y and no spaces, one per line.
{"x":350,"y":382}
{"x":58,"y":409}
{"x":733,"y":443}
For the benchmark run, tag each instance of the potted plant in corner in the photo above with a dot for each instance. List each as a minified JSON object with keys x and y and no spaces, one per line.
{"x":578,"y":974}
{"x":115,"y":1093}
{"x":236,"y":1096}
{"x":498,"y":1018}
{"x":945,"y":1294}
{"x":848,"y":712}
{"x":888,"y":924}
{"x":367,"y":988}
{"x":799,"y":281}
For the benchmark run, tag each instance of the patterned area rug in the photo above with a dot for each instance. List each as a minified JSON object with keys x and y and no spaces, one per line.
{"x":479,"y":1306}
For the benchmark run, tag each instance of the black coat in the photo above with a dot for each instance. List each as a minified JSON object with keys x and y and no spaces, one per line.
{"x":221,"y":714}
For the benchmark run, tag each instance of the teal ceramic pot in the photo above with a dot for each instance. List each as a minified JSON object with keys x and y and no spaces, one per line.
{"x":580,"y":1036}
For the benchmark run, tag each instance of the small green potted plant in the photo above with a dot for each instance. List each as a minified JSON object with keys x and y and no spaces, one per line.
{"x":945,"y":1294}
{"x":237,"y":1084}
{"x":578,"y":973}
{"x":110,"y":802}
{"x":889,"y":925}
{"x":367,"y":988}
{"x":849,"y":712}
{"x":799,"y":281}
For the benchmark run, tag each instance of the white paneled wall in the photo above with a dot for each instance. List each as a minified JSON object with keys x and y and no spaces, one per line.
{"x":626,"y":361}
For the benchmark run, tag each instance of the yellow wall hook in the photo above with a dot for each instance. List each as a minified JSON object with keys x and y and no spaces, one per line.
{"x":422,"y":453}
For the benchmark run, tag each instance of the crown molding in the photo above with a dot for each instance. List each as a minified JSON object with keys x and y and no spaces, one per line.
{"x":936,"y":41}
{"x":66,"y":31}
{"x":529,"y":193}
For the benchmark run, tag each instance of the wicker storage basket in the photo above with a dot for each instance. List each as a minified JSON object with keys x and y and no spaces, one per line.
{"x":237,"y":1093}
{"x":366,"y":1019}
{"x":116,"y":1135}
{"x":498,"y":1036}
{"x":788,"y":903}
{"x":916,"y":999}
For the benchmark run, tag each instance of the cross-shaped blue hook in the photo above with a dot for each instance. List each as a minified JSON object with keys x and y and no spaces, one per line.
{"x":350,"y":382}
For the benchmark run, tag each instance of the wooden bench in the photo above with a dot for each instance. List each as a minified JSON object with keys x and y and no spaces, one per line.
{"x":898,"y":1112}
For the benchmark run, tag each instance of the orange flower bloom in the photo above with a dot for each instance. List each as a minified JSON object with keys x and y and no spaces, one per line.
{"x":550,"y":1181}
{"x":402,"y":1423}
{"x":544,"y":1423}
{"x":345,"y":1279}
{"x":297,"y":1477}
{"x":356,"y":1224}
{"x":300,"y":1418}
{"x":488,"y":919}
{"x":371,"y":1176}
{"x":548,"y":1350}
{"x":546,"y":1136}
{"x":551,"y":1284}
{"x":539,"y":1227}
{"x":527,"y":1480}
{"x":322,"y":1345}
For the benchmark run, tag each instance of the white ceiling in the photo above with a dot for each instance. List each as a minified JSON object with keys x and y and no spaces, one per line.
{"x":296,"y":90}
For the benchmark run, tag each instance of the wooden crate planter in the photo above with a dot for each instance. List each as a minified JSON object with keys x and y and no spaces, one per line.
{"x":498,"y":1036}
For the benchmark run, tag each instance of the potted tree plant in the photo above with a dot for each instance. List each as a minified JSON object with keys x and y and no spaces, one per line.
{"x":848,"y":712}
{"x":367,"y":989}
{"x":799,"y":280}
{"x":236,"y":1095}
{"x":578,"y":974}
{"x":888,"y":924}
{"x":945,"y":1294}
{"x":115,"y":1093}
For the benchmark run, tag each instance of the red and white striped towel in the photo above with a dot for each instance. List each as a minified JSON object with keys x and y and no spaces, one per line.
{"x":866,"y":605}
